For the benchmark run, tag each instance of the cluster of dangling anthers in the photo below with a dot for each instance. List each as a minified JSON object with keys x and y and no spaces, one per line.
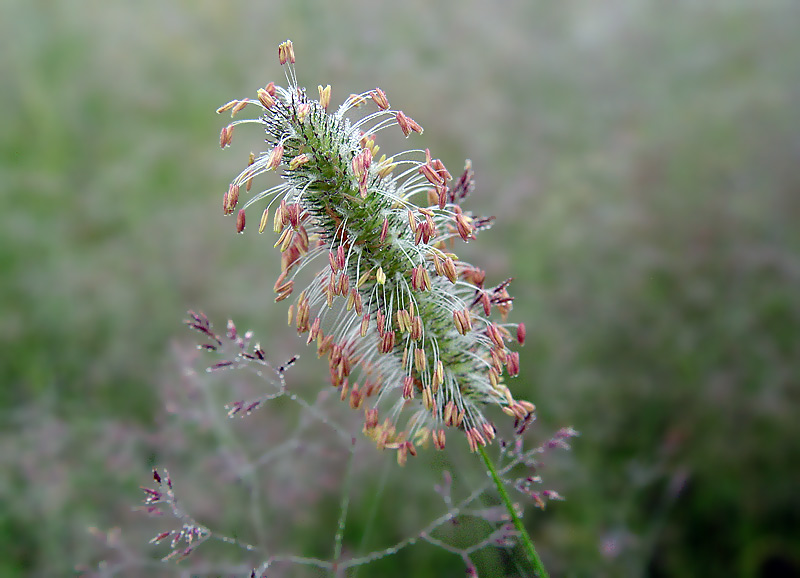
{"x":390,"y":298}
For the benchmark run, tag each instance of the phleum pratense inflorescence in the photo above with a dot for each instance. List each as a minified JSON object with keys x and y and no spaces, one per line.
{"x":410,"y":331}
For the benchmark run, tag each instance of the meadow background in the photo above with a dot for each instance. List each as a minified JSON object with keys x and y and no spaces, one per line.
{"x":643,"y":162}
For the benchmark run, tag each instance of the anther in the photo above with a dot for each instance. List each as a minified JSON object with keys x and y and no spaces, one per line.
{"x":324,"y":96}
{"x":264,"y":218}
{"x":379,"y":98}
{"x":225,"y":136}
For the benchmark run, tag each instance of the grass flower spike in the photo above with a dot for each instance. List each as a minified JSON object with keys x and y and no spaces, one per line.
{"x":413,"y":336}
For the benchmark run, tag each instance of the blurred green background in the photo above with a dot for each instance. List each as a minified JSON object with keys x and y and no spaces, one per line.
{"x":643,"y":162}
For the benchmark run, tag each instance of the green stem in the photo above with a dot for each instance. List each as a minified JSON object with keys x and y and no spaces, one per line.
{"x":527,"y":544}
{"x":343,"y":505}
